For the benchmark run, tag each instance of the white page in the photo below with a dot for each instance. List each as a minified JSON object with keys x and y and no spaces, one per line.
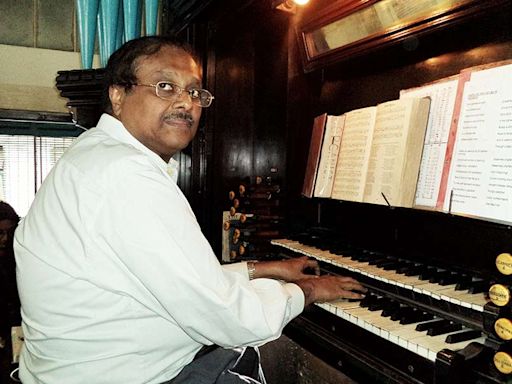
{"x":385,"y":165}
{"x":442,"y":96}
{"x":481,"y":171}
{"x":350,"y":176}
{"x":499,"y":73}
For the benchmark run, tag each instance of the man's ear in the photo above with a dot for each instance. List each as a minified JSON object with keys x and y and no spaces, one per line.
{"x":116,"y":94}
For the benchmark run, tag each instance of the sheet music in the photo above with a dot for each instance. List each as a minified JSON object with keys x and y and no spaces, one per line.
{"x":481,"y":171}
{"x":442,"y":95}
{"x":349,"y":179}
{"x":388,"y":149}
{"x":329,"y":156}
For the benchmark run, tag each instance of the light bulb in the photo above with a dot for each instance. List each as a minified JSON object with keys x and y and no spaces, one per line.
{"x":301,"y":2}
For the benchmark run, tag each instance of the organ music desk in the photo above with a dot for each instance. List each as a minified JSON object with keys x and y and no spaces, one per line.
{"x":427,"y":317}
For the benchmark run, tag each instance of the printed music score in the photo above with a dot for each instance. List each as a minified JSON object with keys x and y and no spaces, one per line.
{"x":452,"y":154}
{"x":442,"y":95}
{"x":354,"y":154}
{"x":379,"y":152}
{"x":481,"y":169}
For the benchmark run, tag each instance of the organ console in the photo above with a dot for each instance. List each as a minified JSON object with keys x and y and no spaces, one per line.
{"x":429,"y":315}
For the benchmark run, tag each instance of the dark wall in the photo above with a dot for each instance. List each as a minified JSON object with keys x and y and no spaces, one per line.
{"x":261,"y":120}
{"x":247,"y":73}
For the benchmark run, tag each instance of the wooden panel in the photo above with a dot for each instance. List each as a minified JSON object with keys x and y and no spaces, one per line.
{"x":247,"y":124}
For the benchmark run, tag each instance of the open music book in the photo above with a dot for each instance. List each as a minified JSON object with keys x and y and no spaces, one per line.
{"x":380,"y":153}
{"x":372,"y":154}
{"x":445,"y":146}
{"x":395,"y":153}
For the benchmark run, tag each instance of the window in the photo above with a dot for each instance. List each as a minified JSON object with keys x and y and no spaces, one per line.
{"x":25,"y":161}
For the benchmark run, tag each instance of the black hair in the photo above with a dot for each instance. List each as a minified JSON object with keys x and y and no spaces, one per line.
{"x":122,"y":64}
{"x":8,"y":213}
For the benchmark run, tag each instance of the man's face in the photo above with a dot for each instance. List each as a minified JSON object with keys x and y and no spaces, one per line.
{"x":164,"y":126}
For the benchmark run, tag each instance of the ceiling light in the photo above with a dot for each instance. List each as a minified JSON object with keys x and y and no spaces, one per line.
{"x":288,"y":5}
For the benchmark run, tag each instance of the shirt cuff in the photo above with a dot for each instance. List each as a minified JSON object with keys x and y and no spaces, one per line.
{"x":240,"y":268}
{"x":297,"y":299}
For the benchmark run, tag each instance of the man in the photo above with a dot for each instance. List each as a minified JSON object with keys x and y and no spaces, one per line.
{"x":9,"y":302}
{"x":116,"y":280}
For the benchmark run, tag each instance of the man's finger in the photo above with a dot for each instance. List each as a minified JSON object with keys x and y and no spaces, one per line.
{"x":351,"y":295}
{"x":313,"y":264}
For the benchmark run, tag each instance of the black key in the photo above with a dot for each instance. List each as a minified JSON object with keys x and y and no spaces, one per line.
{"x":378,"y":260}
{"x":378,"y":304}
{"x":463,"y":336}
{"x":410,"y":317}
{"x":404,"y":267}
{"x":427,"y":273}
{"x":362,"y":257}
{"x":347,"y":253}
{"x":407,"y":316}
{"x":413,"y":270}
{"x":452,"y":278}
{"x":367,"y":300}
{"x":394,"y":313}
{"x":392,"y":266}
{"x":400,"y":264}
{"x":341,"y":252}
{"x":437,"y":277}
{"x":417,"y":317}
{"x":404,"y":311}
{"x":446,"y":329}
{"x":478,"y":286}
{"x":390,"y":308}
{"x":426,"y":326}
{"x":438,"y":325}
{"x":463,"y":283}
{"x":388,"y":265}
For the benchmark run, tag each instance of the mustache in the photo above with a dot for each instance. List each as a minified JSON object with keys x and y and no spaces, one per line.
{"x":179,"y":115}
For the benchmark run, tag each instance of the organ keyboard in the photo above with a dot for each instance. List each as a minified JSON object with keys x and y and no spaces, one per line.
{"x":430,"y":316}
{"x":388,"y":273}
{"x":417,"y":340}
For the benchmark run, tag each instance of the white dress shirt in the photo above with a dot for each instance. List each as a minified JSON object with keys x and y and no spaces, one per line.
{"x":117,"y":282}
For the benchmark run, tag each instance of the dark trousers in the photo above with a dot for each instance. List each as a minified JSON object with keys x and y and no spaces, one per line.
{"x":221,"y":366}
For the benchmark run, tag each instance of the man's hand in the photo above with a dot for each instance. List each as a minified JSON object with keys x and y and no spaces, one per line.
{"x":305,"y":273}
{"x":289,"y":270}
{"x":329,"y":288}
{"x":299,"y":268}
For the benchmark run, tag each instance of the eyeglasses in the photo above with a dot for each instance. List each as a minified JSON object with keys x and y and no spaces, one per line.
{"x":169,"y":91}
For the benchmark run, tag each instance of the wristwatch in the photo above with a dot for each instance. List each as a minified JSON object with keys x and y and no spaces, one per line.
{"x":251,"y":269}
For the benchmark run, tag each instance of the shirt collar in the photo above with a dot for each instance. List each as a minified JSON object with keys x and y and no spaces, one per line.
{"x":115,"y":128}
